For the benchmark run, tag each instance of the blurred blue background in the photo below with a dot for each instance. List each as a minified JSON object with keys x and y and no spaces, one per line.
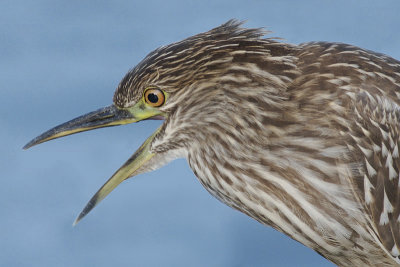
{"x":61,"y":59}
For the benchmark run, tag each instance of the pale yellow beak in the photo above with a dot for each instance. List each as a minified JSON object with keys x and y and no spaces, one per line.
{"x":105,"y":117}
{"x":140,"y":157}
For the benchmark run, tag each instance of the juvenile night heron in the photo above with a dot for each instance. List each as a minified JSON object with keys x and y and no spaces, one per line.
{"x":303,"y":138}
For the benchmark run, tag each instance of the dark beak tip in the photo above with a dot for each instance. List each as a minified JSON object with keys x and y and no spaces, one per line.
{"x":28,"y":145}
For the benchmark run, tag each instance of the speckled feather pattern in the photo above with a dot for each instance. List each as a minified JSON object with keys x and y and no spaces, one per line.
{"x":304,"y":138}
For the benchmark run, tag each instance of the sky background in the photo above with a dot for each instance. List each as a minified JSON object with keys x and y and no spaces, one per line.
{"x":61,"y":59}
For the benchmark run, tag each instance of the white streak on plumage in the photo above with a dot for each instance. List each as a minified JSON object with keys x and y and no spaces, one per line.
{"x":367,"y":190}
{"x":387,"y":208}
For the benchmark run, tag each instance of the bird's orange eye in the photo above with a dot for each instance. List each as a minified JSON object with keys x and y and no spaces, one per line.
{"x":154,"y":97}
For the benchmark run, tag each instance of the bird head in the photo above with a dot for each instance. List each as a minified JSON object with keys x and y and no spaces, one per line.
{"x":193,"y":85}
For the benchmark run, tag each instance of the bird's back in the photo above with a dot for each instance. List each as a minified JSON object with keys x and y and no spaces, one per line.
{"x":352,"y":97}
{"x":321,"y":163}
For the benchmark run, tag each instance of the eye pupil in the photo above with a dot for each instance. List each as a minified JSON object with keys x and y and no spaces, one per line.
{"x":153,"y":98}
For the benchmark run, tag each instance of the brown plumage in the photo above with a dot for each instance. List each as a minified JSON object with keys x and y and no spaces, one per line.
{"x":303,"y":138}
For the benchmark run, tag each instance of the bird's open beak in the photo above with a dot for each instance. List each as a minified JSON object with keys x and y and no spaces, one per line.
{"x":105,"y":117}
